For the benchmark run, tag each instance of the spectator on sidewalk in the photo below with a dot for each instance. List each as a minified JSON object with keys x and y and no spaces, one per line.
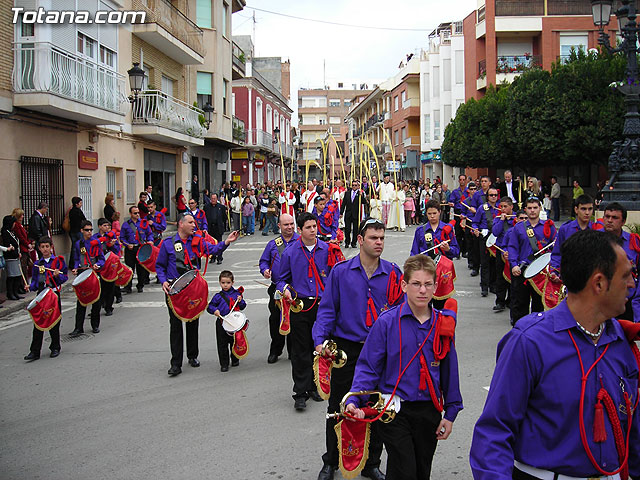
{"x":76,"y":216}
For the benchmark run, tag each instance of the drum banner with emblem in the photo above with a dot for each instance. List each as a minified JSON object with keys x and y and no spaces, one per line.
{"x":552,"y":294}
{"x":353,"y":446}
{"x":285,"y":317}
{"x":446,"y":275}
{"x":506,"y":272}
{"x":189,"y":303}
{"x":240,"y":344}
{"x":44,"y":310}
{"x":538,"y":283}
{"x":322,"y":366}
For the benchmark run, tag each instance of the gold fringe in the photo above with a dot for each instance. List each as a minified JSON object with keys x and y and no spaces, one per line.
{"x":316,"y":378}
{"x":48,"y":328}
{"x":90,"y":303}
{"x":234,"y":344}
{"x":182,"y":318}
{"x":365,"y":456}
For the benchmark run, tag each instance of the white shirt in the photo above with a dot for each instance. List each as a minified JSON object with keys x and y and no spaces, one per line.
{"x":510,"y":191}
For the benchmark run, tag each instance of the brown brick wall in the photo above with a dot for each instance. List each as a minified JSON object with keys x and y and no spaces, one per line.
{"x":159,"y":63}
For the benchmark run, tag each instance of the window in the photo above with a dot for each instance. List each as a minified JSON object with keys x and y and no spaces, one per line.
{"x":203,"y":13}
{"x":322,"y":120}
{"x":225,"y":14}
{"x":395,"y":103}
{"x":447,"y":115}
{"x":395,"y":136}
{"x":334,"y":120}
{"x":404,"y":133}
{"x":42,"y":180}
{"x":436,"y":82}
{"x":446,"y":74}
{"x":167,"y":85}
{"x":86,"y":46}
{"x":26,"y":29}
{"x":459,"y":66}
{"x":204,"y":88}
{"x":426,"y":128}
{"x":269,"y":119}
{"x":458,"y":103}
{"x":147,"y":74}
{"x":334,"y":102}
{"x":84,"y":192}
{"x":436,"y":124}
{"x":404,"y":97}
{"x":132,"y":196}
{"x":346,"y":103}
{"x":108,"y":57}
{"x":575,"y":42}
{"x":259,"y":114}
{"x":425,"y":87}
{"x":111,"y":180}
{"x":225,"y":93}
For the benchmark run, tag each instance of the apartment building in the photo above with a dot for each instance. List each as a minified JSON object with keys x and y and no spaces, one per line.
{"x":441,"y":93}
{"x":321,"y":115}
{"x":73,"y":125}
{"x":262,"y":119}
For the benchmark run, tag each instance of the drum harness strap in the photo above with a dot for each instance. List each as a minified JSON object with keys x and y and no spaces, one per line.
{"x":49,"y":278}
{"x":183,"y":260}
{"x":489,"y":215}
{"x":230,"y":300}
{"x":312,"y":272}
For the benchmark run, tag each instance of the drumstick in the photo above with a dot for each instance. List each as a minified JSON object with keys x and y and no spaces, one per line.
{"x":544,"y":248}
{"x":434,"y":247}
{"x":262,"y":283}
{"x":498,"y":248}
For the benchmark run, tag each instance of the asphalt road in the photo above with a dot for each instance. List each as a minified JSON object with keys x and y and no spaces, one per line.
{"x":106,"y":409}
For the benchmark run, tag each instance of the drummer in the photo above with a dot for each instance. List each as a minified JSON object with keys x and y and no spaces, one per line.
{"x":583,"y":209}
{"x":326,"y":212}
{"x":157,"y":221}
{"x":269,"y":262}
{"x":526,"y":240}
{"x":304,"y":267}
{"x":459,"y":195}
{"x":175,"y":258}
{"x":615,"y":216}
{"x":87,"y":254}
{"x":40,"y":281}
{"x":135,"y":232}
{"x":199,"y":215}
{"x":502,"y":225}
{"x":108,"y":243}
{"x":220,"y":305}
{"x":475,"y":204}
{"x":482,"y":225}
{"x":357,"y":291}
{"x":433,"y":233}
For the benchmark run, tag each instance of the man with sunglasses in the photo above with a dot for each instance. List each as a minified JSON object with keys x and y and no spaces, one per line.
{"x":482,"y":225}
{"x":199,"y":215}
{"x":87,"y":254}
{"x":357,"y":291}
{"x":134,"y":233}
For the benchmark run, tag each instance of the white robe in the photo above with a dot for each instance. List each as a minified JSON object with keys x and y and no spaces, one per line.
{"x":375,"y":209}
{"x":396,"y":211}
{"x":308,"y":200}
{"x":287,"y":201}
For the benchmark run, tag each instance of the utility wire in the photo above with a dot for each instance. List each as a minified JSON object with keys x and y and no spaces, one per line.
{"x":368,"y":27}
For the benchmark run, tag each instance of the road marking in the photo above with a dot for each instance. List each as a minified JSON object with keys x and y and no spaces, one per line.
{"x":486,"y":388}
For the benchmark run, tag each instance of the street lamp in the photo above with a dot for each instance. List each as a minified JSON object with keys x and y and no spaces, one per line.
{"x":136,"y":80}
{"x":208,"y":115}
{"x":624,"y":161}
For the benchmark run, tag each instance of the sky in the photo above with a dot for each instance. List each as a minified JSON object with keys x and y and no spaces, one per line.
{"x":347,"y":54}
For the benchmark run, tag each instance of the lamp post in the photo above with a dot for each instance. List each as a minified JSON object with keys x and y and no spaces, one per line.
{"x":136,"y":80}
{"x":624,"y":161}
{"x":208,"y":115}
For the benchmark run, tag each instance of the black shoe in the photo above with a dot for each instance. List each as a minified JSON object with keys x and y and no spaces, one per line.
{"x":492,"y":289}
{"x":119,"y":300}
{"x":224,"y":368}
{"x":157,"y":280}
{"x":354,"y":246}
{"x":54,"y":353}
{"x":464,"y":255}
{"x":219,"y":262}
{"x":315,"y":396}
{"x":484,"y":293}
{"x":31,"y":356}
{"x":140,"y":289}
{"x":474,"y":273}
{"x":234,"y":362}
{"x":95,"y":330}
{"x":499,"y":308}
{"x":147,"y":281}
{"x":108,"y":313}
{"x":300,"y":403}
{"x":346,"y":246}
{"x":326,"y":473}
{"x":76,"y":333}
{"x":373,"y":473}
{"x":194,"y":362}
{"x":173,"y":371}
{"x":127,"y":291}
{"x":272,"y":358}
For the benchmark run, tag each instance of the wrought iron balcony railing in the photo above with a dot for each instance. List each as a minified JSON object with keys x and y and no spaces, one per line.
{"x":153,"y":107}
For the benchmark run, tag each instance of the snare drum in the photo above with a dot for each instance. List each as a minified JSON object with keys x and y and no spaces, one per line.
{"x":491,"y":240}
{"x":234,"y":322}
{"x":147,"y":255}
{"x":188,"y":296}
{"x":45,"y":310}
{"x":87,"y":287}
{"x":538,"y":265}
{"x":125,"y":274}
{"x":109,"y":271}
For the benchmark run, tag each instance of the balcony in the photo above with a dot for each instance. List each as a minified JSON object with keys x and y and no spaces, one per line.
{"x":239,"y":131}
{"x":507,"y":68}
{"x":158,"y":116}
{"x":260,"y":139}
{"x":411,"y":142}
{"x":411,"y":102}
{"x":238,"y":62}
{"x":481,"y":81}
{"x":170,"y":31}
{"x":50,"y":80}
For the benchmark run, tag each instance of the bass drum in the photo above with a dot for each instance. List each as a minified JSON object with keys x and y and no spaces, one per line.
{"x":538,"y":265}
{"x":44,"y":310}
{"x":188,"y":296}
{"x":87,"y":287}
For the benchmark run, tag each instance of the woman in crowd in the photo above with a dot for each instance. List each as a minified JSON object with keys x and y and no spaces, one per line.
{"x":533,"y":189}
{"x":12,"y":258}
{"x":26,"y":246}
{"x":109,"y":206}
{"x":409,"y":206}
{"x":181,"y":203}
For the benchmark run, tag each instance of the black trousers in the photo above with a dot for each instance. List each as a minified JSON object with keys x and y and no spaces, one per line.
{"x":460,"y":235}
{"x":474,"y":252}
{"x":224,"y":342}
{"x":350,"y":231}
{"x":410,"y":440}
{"x":215,"y":233}
{"x":487,"y":267}
{"x":107,"y":293}
{"x":54,"y":332}
{"x":523,"y":295}
{"x":341,"y":380}
{"x":302,"y":349}
{"x":81,"y":312}
{"x":132,"y":262}
{"x":502,"y":285}
{"x":277,"y":339}
{"x":176,"y":338}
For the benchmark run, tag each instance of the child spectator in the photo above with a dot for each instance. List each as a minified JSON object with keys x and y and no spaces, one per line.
{"x":220,"y":306}
{"x":248,"y":216}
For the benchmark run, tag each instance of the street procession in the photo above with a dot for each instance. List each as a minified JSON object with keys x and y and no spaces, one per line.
{"x":417,"y":271}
